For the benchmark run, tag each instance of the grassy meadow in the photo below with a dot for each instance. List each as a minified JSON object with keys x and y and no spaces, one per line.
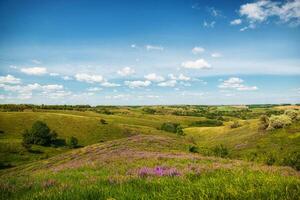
{"x":129,"y":155}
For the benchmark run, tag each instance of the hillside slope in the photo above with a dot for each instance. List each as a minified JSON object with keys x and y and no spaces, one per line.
{"x":146,"y":167}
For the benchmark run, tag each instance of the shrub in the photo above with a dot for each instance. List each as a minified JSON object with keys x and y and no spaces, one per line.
{"x":263,"y":122}
{"x":207,"y":123}
{"x":193,"y":149}
{"x":293,"y":114}
{"x":235,"y":124}
{"x":149,"y":110}
{"x":279,"y":121}
{"x":169,"y":127}
{"x":220,"y":151}
{"x":292,"y":160}
{"x":270,"y":159}
{"x":72,"y":142}
{"x":102,"y":121}
{"x":39,"y":134}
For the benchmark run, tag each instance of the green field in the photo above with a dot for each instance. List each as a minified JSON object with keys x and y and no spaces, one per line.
{"x":131,"y":157}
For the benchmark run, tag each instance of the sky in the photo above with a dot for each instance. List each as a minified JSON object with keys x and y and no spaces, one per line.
{"x":149,"y":52}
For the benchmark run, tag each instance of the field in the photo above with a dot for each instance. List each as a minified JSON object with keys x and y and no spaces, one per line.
{"x":131,"y":155}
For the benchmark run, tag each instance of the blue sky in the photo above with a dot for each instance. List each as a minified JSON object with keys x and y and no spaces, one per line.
{"x":149,"y":52}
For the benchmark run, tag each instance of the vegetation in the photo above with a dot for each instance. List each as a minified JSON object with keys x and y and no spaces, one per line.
{"x":135,"y":153}
{"x":72,"y":142}
{"x":207,"y":123}
{"x":39,"y":134}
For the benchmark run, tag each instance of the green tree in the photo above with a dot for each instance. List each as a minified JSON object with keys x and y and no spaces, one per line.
{"x":39,"y":134}
{"x":72,"y":142}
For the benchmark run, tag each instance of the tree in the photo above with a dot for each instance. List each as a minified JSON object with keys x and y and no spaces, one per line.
{"x":72,"y":142}
{"x":39,"y":134}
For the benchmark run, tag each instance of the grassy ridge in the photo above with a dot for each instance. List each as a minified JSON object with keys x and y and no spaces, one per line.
{"x":111,"y":170}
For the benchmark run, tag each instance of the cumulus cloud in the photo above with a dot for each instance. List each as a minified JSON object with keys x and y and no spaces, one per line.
{"x":66,"y":78}
{"x":108,"y":84}
{"x":126,"y":71}
{"x":54,"y":74}
{"x":209,"y":24}
{"x":153,"y":77}
{"x":170,"y":83}
{"x":36,"y":61}
{"x":26,"y":91}
{"x":137,"y":84}
{"x":236,"y":22}
{"x":260,"y":11}
{"x":151,"y":47}
{"x":216,"y":55}
{"x":181,"y":77}
{"x":197,"y":64}
{"x":34,"y":70}
{"x":89,"y":78}
{"x":9,"y":79}
{"x":237,"y":84}
{"x":94,"y":89}
{"x":198,"y":50}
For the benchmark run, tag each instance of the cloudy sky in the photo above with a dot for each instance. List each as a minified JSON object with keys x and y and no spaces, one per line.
{"x":149,"y":52}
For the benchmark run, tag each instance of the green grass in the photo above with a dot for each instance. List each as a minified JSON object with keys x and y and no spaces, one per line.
{"x":108,"y":163}
{"x":109,"y":170}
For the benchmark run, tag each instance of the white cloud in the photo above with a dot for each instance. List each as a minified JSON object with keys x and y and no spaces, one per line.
{"x":170,"y":83}
{"x":94,"y":89}
{"x":118,"y":96}
{"x":108,"y":84}
{"x":216,"y":55}
{"x":34,"y":70}
{"x":13,"y":67}
{"x":260,"y":11}
{"x":197,"y":64}
{"x":181,"y":77}
{"x":66,"y":78}
{"x":54,"y":74}
{"x":209,"y":24}
{"x":9,"y":79}
{"x":198,"y":50}
{"x":26,"y":91}
{"x":237,"y":84}
{"x":133,"y":46}
{"x":236,"y":22}
{"x":126,"y":71}
{"x":214,"y":12}
{"x":151,"y":47}
{"x":137,"y":84}
{"x":153,"y":77}
{"x":53,"y":87}
{"x":89,"y":78}
{"x":36,"y":61}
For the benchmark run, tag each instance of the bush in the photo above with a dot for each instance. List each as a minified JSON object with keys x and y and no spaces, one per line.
{"x":279,"y":121}
{"x":102,"y":121}
{"x":39,"y":134}
{"x":172,"y":127}
{"x":221,"y":151}
{"x":263,"y":122}
{"x":293,"y":114}
{"x":207,"y":123}
{"x":72,"y":142}
{"x":270,"y":160}
{"x":235,"y":124}
{"x":292,"y":160}
{"x":193,"y":149}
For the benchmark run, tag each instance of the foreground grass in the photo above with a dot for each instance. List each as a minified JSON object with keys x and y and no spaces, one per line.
{"x":220,"y":184}
{"x":111,"y":171}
